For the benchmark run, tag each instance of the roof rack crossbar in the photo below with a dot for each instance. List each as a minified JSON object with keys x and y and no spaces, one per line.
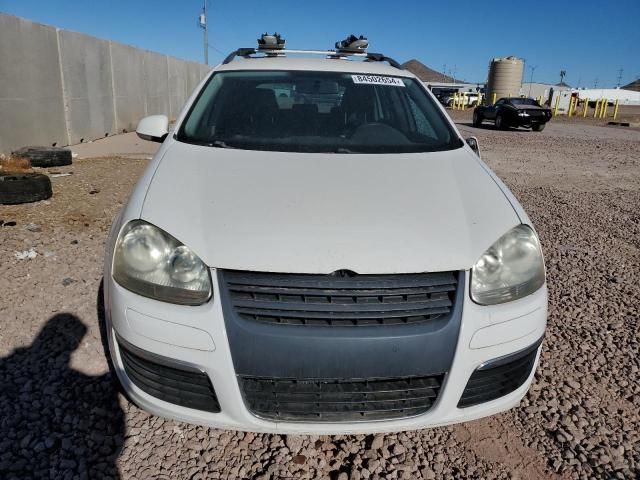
{"x":370,"y":57}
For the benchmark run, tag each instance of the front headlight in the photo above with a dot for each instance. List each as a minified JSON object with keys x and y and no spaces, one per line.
{"x":511,"y":268}
{"x":150,"y":262}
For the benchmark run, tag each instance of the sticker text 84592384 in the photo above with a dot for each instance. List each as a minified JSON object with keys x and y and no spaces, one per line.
{"x":377,"y":80}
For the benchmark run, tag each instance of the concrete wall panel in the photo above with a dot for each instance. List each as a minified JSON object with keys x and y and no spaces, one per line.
{"x":31,"y":102}
{"x":193,"y":77}
{"x":178,"y":70}
{"x":156,"y":83}
{"x":86,"y":69}
{"x":129,"y":86}
{"x":59,"y":87}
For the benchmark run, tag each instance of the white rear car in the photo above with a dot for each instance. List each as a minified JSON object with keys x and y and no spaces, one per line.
{"x":314,"y":248}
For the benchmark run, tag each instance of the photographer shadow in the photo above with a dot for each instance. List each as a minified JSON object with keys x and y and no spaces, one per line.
{"x":57,"y":422}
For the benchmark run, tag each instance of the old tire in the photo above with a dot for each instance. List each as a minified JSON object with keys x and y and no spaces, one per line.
{"x":24,"y":187}
{"x":45,"y":156}
{"x":500,"y":125}
{"x":477,"y":118}
{"x":539,"y":127}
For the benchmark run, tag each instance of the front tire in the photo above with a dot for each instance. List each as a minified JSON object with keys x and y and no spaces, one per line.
{"x":500,"y":124}
{"x":539,"y":127}
{"x":477,"y":118}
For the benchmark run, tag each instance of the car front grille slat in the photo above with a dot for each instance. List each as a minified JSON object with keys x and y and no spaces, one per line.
{"x":174,"y":384}
{"x":486,"y":384}
{"x":332,"y":400}
{"x":327,"y":300}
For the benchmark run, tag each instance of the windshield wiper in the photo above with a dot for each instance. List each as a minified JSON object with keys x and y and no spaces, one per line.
{"x":219,"y":144}
{"x":343,"y":150}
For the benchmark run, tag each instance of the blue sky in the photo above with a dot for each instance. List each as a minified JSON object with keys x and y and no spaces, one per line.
{"x":589,"y":39}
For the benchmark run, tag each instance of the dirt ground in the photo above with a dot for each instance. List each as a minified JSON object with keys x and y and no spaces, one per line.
{"x":61,"y":415}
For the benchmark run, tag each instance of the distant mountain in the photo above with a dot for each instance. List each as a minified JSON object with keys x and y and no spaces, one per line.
{"x":635,"y":86}
{"x":425,"y":73}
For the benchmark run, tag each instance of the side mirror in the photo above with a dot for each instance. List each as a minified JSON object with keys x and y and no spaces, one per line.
{"x":475,"y":146}
{"x":154,"y":128}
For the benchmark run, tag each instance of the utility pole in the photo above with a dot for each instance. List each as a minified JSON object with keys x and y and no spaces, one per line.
{"x":620,"y":77}
{"x":595,"y":83}
{"x":532,"y":67}
{"x":204,"y":25}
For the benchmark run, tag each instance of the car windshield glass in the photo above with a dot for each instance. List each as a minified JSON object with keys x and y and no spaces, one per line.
{"x":300,"y":111}
{"x":523,"y":101}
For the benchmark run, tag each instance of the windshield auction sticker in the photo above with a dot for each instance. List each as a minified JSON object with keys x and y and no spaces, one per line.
{"x":377,"y":80}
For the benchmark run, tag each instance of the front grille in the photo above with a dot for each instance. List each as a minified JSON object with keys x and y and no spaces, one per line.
{"x":332,"y":400}
{"x":501,"y":378}
{"x":334,"y":300}
{"x":179,"y":385}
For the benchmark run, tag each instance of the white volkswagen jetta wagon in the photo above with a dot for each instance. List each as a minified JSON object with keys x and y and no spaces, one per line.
{"x":315,"y":249}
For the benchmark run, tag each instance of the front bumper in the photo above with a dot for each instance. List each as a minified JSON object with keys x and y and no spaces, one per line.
{"x":196,"y":338}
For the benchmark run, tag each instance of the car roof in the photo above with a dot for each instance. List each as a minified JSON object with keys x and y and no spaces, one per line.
{"x":313,"y":64}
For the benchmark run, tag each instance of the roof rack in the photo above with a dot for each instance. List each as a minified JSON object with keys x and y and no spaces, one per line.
{"x":273,"y":46}
{"x":370,"y":57}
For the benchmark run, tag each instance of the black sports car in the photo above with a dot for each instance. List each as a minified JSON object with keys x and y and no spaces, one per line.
{"x":513,"y":112}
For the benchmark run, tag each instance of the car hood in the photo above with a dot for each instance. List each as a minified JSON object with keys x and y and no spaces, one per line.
{"x":318,"y":213}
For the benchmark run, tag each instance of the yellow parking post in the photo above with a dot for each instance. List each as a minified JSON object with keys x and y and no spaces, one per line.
{"x":464,"y":101}
{"x":479,"y":100}
{"x":615,"y":110}
{"x":600,"y":108}
{"x":605,"y":104}
{"x":493,"y":99}
{"x":595,"y":112}
{"x":555,"y":108}
{"x":585,"y":107}
{"x":570,"y":112}
{"x":455,"y":101}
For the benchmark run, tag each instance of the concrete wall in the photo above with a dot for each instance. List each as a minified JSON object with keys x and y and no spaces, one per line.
{"x":61,"y":88}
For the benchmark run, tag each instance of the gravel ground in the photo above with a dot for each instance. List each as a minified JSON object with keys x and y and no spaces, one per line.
{"x":61,"y":415}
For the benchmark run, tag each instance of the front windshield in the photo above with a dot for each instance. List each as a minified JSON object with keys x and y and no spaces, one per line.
{"x":297,"y":111}
{"x":524,"y":101}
